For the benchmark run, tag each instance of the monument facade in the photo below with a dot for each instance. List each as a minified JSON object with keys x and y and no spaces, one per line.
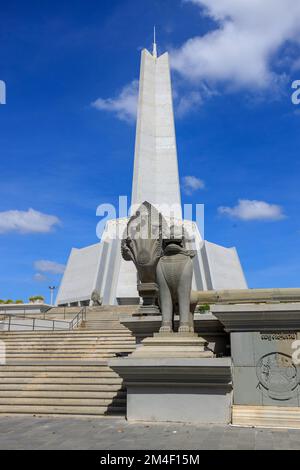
{"x":100,"y":267}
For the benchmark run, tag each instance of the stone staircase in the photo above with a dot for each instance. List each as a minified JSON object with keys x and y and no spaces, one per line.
{"x":107,"y":317}
{"x":66,"y":372}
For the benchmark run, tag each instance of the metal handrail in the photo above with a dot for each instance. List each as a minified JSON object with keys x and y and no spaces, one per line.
{"x":76,"y":320}
{"x":19,"y":311}
{"x":79,"y":317}
{"x":33,"y":327}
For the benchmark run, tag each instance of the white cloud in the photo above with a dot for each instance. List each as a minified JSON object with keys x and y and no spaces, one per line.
{"x":296,"y":65}
{"x":188,"y":102}
{"x":124,"y":105}
{"x":239,"y":51}
{"x":242,"y":50}
{"x":38,"y":277}
{"x":30,"y":221}
{"x":46,"y":266}
{"x":192,"y":184}
{"x":253,"y":210}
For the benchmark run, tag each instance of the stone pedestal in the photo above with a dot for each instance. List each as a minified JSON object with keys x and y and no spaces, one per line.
{"x":173,"y":345}
{"x":206,"y":325}
{"x":149,"y":294}
{"x":265,"y":341}
{"x":174,"y":378}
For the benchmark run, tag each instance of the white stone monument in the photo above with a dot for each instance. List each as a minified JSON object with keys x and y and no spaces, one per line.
{"x":100,"y":267}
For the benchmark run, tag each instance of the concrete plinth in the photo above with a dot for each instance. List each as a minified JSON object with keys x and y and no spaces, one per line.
{"x":206,"y":325}
{"x":266,"y":371}
{"x":174,"y":378}
{"x":177,"y":390}
{"x":173,"y":345}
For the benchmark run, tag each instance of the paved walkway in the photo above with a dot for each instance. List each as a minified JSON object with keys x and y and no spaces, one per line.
{"x":29,"y":432}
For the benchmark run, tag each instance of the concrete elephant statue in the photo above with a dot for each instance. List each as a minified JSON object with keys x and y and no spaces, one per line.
{"x":174,"y":274}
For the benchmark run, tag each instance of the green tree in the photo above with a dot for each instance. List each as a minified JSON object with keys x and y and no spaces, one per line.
{"x":36,"y":297}
{"x":203,"y":308}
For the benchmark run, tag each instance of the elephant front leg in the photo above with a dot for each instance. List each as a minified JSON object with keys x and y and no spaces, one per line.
{"x":166,"y":303}
{"x":184,"y":311}
{"x":191,"y":322}
{"x":184,"y":296}
{"x":193,"y":306}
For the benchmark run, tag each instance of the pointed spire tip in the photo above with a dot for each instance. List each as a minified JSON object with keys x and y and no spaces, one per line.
{"x":154,"y":43}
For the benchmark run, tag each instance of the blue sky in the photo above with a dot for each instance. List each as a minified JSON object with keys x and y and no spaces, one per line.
{"x":233,"y":64}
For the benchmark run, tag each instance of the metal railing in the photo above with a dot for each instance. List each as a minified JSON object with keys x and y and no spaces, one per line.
{"x":28,"y":312}
{"x":10,"y":320}
{"x":78,"y":319}
{"x":24,"y":311}
{"x":62,"y":310}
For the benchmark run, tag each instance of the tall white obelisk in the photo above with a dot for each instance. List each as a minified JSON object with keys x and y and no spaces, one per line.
{"x":100,"y":267}
{"x":156,"y":178}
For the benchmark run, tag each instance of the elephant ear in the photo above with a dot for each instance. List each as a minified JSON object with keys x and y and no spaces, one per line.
{"x":159,"y":248}
{"x":125,"y":251}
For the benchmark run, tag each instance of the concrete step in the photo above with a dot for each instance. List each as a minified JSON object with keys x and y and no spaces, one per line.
{"x":28,"y":340}
{"x":83,"y":335}
{"x":106,"y":316}
{"x":83,"y":353}
{"x":52,"y":358}
{"x":57,"y":387}
{"x":66,"y":333}
{"x":65,"y":347}
{"x":63,"y":380}
{"x":72,"y":341}
{"x":61,"y":401}
{"x":35,"y":368}
{"x":95,"y":348}
{"x":96,"y":325}
{"x":70,"y":347}
{"x":65,"y":372}
{"x":68,"y":351}
{"x":66,"y":340}
{"x":104,"y":347}
{"x":106,"y":323}
{"x":112,"y":309}
{"x":100,"y":341}
{"x":73,"y":310}
{"x":40,"y":355}
{"x":53,"y":394}
{"x":62,"y":410}
{"x":57,"y":374}
{"x":69,"y":358}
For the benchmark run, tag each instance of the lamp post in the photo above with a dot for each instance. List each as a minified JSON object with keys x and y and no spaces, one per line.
{"x":52,"y":289}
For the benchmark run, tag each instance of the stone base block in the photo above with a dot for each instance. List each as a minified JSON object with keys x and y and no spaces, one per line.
{"x":173,"y":345}
{"x":206,"y":325}
{"x":266,"y":416}
{"x":179,"y":404}
{"x":184,"y":390}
